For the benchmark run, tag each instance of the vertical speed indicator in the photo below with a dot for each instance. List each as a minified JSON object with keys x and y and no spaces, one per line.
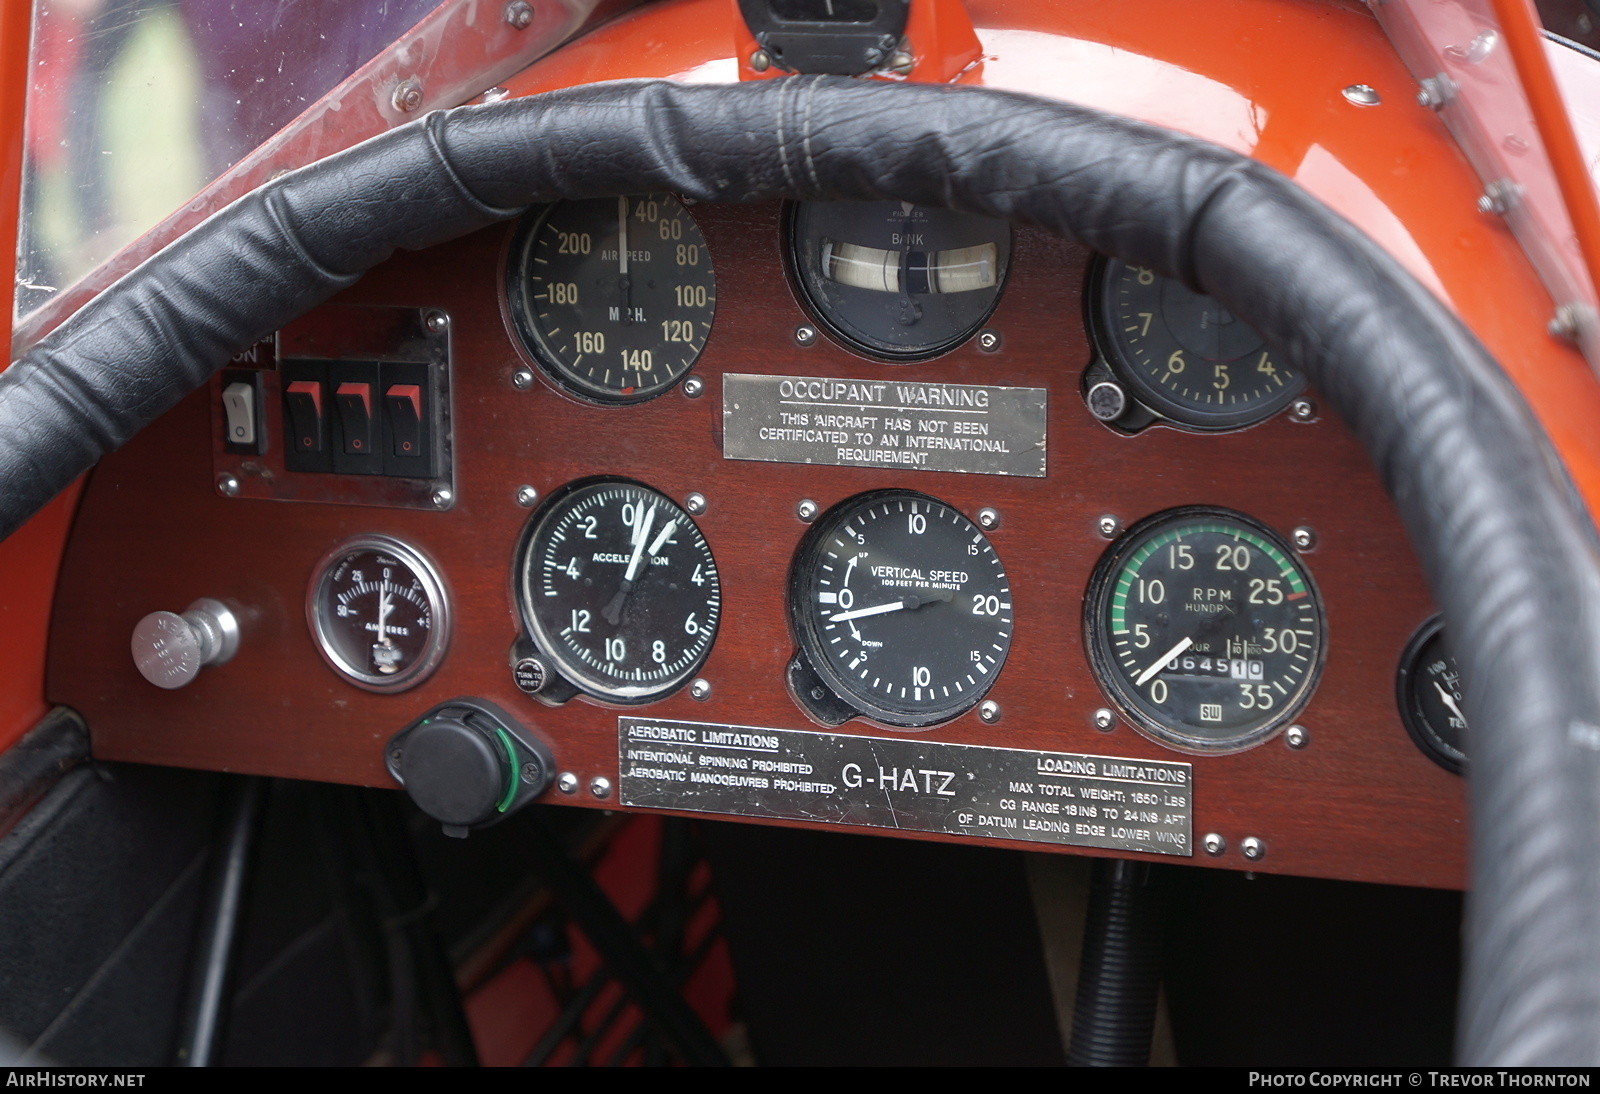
{"x":1205,"y":629}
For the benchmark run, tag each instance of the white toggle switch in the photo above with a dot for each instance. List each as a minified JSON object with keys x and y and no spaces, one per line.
{"x":239,"y":404}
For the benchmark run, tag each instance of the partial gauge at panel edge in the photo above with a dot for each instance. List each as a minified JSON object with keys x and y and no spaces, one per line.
{"x":1178,"y":356}
{"x":378,"y":613}
{"x":1204,"y":629}
{"x":613,"y":297}
{"x":1430,"y":695}
{"x":901,"y":611}
{"x":617,"y":590}
{"x":897,"y":281}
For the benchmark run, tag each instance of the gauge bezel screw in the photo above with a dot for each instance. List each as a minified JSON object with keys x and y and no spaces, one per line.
{"x":522,"y":379}
{"x":695,"y":503}
{"x":600,"y":787}
{"x":806,"y":510}
{"x":1304,"y":538}
{"x":519,"y":15}
{"x":989,"y":711}
{"x":567,"y":782}
{"x":227,"y":485}
{"x":437,"y":322}
{"x":407,"y":95}
{"x":527,"y":496}
{"x":1302,"y":410}
{"x":1108,"y":526}
{"x":805,"y":335}
{"x":700,"y":689}
{"x":901,"y":63}
{"x":1105,"y":719}
{"x":530,"y":773}
{"x":693,"y":387}
{"x":443,"y":498}
{"x":1214,"y":844}
{"x":1253,"y":849}
{"x":989,"y":340}
{"x":760,"y":60}
{"x":1296,"y":737}
{"x":988,"y":518}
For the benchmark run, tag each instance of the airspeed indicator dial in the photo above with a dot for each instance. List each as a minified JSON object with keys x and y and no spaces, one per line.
{"x":1205,"y":629}
{"x":901,"y":608}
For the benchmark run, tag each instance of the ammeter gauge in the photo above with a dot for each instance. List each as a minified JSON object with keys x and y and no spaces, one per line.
{"x":378,"y":612}
{"x":1183,"y":355}
{"x":613,"y":297}
{"x":896,"y":280}
{"x":1204,"y":629}
{"x":618,"y":589}
{"x":901,"y":611}
{"x":1428,"y":689}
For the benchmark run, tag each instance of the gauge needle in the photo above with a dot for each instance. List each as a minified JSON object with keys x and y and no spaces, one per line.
{"x":641,"y":534}
{"x":1162,"y":662}
{"x":661,"y":539}
{"x":622,"y":236}
{"x":894,"y":606}
{"x":385,"y":606}
{"x":1450,"y":701}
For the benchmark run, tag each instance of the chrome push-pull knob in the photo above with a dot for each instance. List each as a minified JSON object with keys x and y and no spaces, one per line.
{"x":171,"y":649}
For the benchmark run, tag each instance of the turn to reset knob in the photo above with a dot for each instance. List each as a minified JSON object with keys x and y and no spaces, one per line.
{"x":171,"y":649}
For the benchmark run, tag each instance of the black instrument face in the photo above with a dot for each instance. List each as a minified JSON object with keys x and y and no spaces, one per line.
{"x":1204,"y":629}
{"x":1430,"y":695}
{"x":618,"y":589}
{"x":900,"y":605}
{"x":614,"y":297}
{"x":895,"y":280}
{"x":1184,"y":355}
{"x":378,"y":613}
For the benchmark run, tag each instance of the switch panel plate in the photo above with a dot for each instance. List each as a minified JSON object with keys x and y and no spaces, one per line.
{"x":402,"y":364}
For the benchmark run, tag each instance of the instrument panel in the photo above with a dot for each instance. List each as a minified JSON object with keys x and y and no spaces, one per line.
{"x":864,"y":594}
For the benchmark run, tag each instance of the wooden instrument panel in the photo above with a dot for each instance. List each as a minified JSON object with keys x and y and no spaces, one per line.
{"x":1359,"y":802}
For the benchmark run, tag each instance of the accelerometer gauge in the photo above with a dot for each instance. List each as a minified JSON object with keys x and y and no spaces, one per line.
{"x":378,"y":612}
{"x":896,"y":280}
{"x":618,"y":589}
{"x":1204,"y":629}
{"x":1429,"y":691}
{"x":613,"y":297}
{"x":1181,"y":354}
{"x":901,"y":611}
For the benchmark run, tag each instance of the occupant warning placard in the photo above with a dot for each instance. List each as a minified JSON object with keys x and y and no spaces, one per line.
{"x":924,"y":786}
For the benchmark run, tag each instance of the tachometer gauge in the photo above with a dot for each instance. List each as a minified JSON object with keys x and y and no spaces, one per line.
{"x":901,"y":610}
{"x":1183,"y":355}
{"x":1430,"y":695}
{"x":378,"y":613}
{"x":897,"y":280}
{"x":613,"y":297}
{"x":1204,"y":629}
{"x":618,"y":589}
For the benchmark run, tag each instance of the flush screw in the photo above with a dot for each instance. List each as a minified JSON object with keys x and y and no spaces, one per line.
{"x":1107,"y":401}
{"x":443,"y":497}
{"x":989,"y":340}
{"x":1214,"y":843}
{"x":1104,"y":720}
{"x":1302,"y":410}
{"x":694,"y":387}
{"x":988,"y":519}
{"x":522,"y":379}
{"x":600,"y":786}
{"x":805,"y":335}
{"x":526,"y":496}
{"x":989,"y":711}
{"x":1108,"y":525}
{"x":760,"y":60}
{"x":530,"y":773}
{"x":1362,"y":95}
{"x":519,"y":15}
{"x":1296,"y":737}
{"x":567,"y":783}
{"x":1252,"y":849}
{"x":700,"y":690}
{"x":806,"y":510}
{"x":438,"y":322}
{"x":901,"y":63}
{"x":227,"y":485}
{"x":695,"y":503}
{"x":407,"y":96}
{"x":1304,"y":538}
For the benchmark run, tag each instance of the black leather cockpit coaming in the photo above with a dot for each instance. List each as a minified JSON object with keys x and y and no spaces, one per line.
{"x":1509,"y":550}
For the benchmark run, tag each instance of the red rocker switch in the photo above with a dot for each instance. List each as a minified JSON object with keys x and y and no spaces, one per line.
{"x":304,"y":401}
{"x":404,"y":404}
{"x":355,"y":417}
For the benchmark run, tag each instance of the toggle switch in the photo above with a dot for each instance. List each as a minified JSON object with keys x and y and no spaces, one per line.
{"x":354,"y":401}
{"x":239,"y":410}
{"x":303,"y":401}
{"x":404,"y":404}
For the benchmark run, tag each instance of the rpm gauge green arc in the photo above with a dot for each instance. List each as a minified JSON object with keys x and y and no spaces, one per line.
{"x":1205,"y":629}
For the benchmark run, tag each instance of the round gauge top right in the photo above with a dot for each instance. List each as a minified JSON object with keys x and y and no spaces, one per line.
{"x":1183,"y":355}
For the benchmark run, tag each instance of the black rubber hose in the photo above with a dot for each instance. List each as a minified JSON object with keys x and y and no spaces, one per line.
{"x":1119,"y":976}
{"x":1508,"y":549}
